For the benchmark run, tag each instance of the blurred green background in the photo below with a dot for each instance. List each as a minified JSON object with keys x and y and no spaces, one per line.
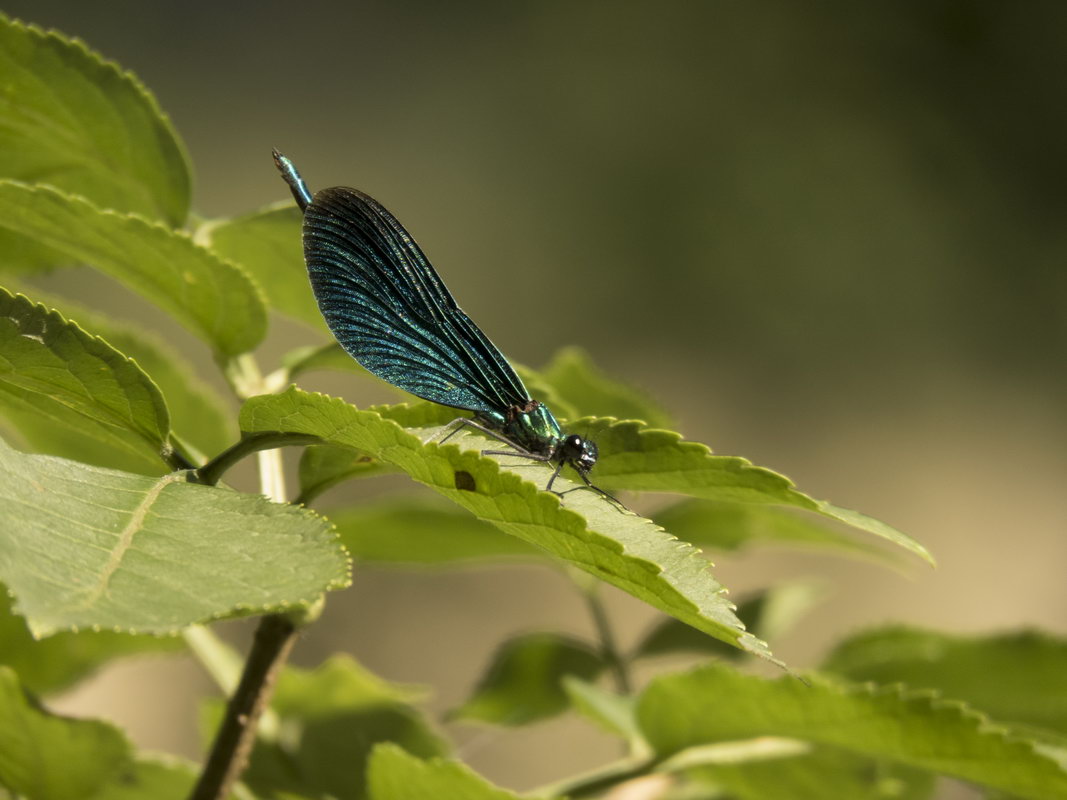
{"x":829,"y":236}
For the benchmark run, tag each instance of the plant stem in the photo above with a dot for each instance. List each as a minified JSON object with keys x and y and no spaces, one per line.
{"x":212,"y":472}
{"x":597,"y":780}
{"x":608,"y":648}
{"x":276,"y":633}
{"x":233,"y":743}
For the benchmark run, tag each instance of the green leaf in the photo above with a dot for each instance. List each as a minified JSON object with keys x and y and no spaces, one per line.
{"x":592,"y":393}
{"x":736,"y":526}
{"x":587,"y":531}
{"x":825,"y":772}
{"x":322,"y":357}
{"x":412,"y":532}
{"x":1017,"y":677}
{"x":421,"y":414}
{"x":55,"y":663}
{"x":44,"y":354}
{"x":338,"y":684}
{"x":332,"y":718}
{"x":613,"y":713}
{"x":324,"y":466}
{"x":155,"y":778}
{"x":198,"y":414}
{"x":917,"y":729}
{"x":642,"y":459}
{"x":540,"y":389}
{"x":768,"y":614}
{"x":34,"y":423}
{"x":213,"y":298}
{"x":73,"y":120}
{"x":397,"y":775}
{"x":90,"y":547}
{"x":48,"y":757}
{"x":523,"y":683}
{"x":24,"y":256}
{"x":268,"y":244}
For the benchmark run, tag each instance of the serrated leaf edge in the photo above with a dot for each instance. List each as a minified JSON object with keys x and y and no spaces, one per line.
{"x":135,"y":219}
{"x":125,"y":75}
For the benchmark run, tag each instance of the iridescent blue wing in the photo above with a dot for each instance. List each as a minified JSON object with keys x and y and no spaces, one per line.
{"x":388,"y":308}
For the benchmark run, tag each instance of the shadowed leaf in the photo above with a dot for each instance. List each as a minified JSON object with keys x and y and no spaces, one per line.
{"x":48,"y":757}
{"x":398,"y":775}
{"x":768,"y":614}
{"x":411,"y":532}
{"x":323,"y":466}
{"x":592,"y":393}
{"x":333,"y":717}
{"x":58,"y":661}
{"x":267,"y":244}
{"x":1017,"y":677}
{"x":916,"y":729}
{"x":524,"y":680}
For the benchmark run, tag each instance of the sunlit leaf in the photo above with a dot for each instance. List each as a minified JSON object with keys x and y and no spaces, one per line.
{"x":916,"y":729}
{"x":211,"y":297}
{"x":642,"y":459}
{"x":90,"y":547}
{"x":60,"y":365}
{"x":524,"y":680}
{"x":198,"y":414}
{"x":736,"y":526}
{"x":48,"y":757}
{"x":73,"y":120}
{"x":587,"y":531}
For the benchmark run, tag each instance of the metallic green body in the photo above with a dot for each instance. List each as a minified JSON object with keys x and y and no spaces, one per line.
{"x":535,"y":431}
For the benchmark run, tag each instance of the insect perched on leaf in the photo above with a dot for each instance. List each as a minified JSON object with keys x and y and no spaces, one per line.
{"x":387,"y":307}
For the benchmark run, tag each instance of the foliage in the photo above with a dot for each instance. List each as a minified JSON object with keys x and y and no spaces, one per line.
{"x":118,"y":533}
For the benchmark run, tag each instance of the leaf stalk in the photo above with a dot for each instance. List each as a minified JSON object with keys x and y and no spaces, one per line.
{"x":236,"y":736}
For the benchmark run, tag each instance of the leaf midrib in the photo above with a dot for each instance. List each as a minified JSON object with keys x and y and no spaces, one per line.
{"x":136,"y":523}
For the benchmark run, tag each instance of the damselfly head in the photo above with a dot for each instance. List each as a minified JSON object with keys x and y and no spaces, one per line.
{"x":578,"y":452}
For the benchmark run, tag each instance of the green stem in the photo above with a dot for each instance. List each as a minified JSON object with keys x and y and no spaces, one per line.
{"x":276,"y":634}
{"x":233,"y":743}
{"x":281,"y":377}
{"x":212,"y":472}
{"x":608,"y":648}
{"x":597,"y":780}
